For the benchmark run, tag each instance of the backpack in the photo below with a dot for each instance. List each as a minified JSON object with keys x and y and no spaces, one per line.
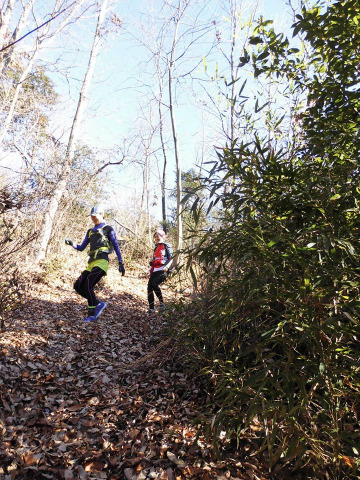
{"x":169,"y":256}
{"x":104,"y":233}
{"x":106,"y":236}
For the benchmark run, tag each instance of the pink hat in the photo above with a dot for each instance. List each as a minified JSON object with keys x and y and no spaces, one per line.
{"x":160,"y":232}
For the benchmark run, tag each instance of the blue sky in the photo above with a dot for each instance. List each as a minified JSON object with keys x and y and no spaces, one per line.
{"x":116,"y":92}
{"x":120,"y":87}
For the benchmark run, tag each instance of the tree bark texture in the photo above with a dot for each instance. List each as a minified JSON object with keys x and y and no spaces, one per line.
{"x":59,"y":191}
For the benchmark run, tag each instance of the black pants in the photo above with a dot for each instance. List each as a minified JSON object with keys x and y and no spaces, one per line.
{"x":153,"y":286}
{"x":85,"y":284}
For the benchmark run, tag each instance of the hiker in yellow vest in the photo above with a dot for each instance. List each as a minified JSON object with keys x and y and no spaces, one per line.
{"x":102,"y":241}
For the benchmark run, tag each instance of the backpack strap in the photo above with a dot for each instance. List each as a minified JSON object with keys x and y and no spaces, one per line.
{"x":105,"y":236}
{"x":168,"y":253}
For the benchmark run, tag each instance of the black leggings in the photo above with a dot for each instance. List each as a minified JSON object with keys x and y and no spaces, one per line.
{"x":85,"y":284}
{"x":153,"y":286}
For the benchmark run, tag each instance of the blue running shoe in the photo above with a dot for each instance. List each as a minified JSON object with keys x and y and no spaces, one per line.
{"x":90,"y":319}
{"x":99,"y":309}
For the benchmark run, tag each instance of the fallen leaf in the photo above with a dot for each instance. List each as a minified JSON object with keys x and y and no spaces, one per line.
{"x":128,"y":473}
{"x":350,"y":461}
{"x":175,"y":459}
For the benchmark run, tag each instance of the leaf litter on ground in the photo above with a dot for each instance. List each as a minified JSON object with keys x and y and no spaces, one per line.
{"x":103,"y":400}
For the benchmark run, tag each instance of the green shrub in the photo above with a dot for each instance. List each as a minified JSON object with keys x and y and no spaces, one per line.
{"x":276,"y":328}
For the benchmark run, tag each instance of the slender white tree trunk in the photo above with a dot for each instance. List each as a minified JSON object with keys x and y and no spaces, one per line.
{"x":40,"y":42}
{"x":17,"y":91}
{"x":4,"y":20}
{"x":60,"y":189}
{"x":5,"y":60}
{"x":179,"y":236}
{"x":145,"y":197}
{"x":233,"y":69}
{"x":162,"y":141}
{"x":159,"y":101}
{"x":148,"y":216}
{"x":86,"y":85}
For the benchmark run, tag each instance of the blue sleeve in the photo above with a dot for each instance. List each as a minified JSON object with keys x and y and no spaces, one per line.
{"x":170,"y":260}
{"x":113,"y":240}
{"x":84,"y":244}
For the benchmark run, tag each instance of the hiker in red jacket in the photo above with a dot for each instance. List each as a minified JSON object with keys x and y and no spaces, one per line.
{"x":159,"y":267}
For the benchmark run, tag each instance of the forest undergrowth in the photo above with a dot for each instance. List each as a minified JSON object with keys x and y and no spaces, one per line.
{"x":106,"y":400}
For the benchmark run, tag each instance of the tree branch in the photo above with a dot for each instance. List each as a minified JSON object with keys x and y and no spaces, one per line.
{"x":132,"y":231}
{"x":37,"y":28}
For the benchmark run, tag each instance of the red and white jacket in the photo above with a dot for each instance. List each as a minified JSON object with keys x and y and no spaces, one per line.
{"x":162,"y":257}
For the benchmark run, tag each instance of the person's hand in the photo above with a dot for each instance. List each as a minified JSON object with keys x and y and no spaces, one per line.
{"x":122,"y":269}
{"x":69,"y":242}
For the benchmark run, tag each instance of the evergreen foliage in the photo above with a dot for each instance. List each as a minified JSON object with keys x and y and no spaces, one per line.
{"x":277,"y":326}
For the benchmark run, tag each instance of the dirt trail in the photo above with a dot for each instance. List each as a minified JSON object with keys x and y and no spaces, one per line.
{"x":101,"y":400}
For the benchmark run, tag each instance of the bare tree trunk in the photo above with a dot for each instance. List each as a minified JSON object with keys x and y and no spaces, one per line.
{"x":235,"y":28}
{"x":161,"y":53}
{"x":233,"y":73}
{"x":145,"y":197}
{"x":179,"y":235}
{"x":235,"y":11}
{"x":17,"y":91}
{"x":134,"y":233}
{"x":163,"y":179}
{"x":148,"y":216}
{"x":233,"y":69}
{"x":162,"y":140}
{"x":61,"y":186}
{"x":5,"y":60}
{"x":40,"y":42}
{"x":5,"y":19}
{"x":144,"y":187}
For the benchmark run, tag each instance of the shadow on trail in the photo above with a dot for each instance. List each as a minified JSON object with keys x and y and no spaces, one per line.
{"x":54,"y":335}
{"x":101,"y":400}
{"x":69,"y":408}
